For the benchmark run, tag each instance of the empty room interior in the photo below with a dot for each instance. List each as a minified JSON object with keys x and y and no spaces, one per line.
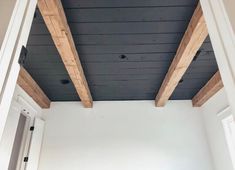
{"x":117,"y":85}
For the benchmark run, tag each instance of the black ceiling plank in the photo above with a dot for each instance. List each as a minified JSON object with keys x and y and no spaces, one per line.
{"x":140,"y":39}
{"x":40,"y":40}
{"x":206,"y":46}
{"x":107,"y":58}
{"x":136,"y":39}
{"x":42,"y":50}
{"x":113,"y":72}
{"x":64,"y":97}
{"x":135,"y":97}
{"x":127,"y":14}
{"x":51,"y":71}
{"x":118,"y":28}
{"x":126,"y":49}
{"x":125,"y":3}
{"x":124,"y":90}
{"x":123,"y":65}
{"x":129,"y":27}
{"x":44,"y":65}
{"x":153,"y":84}
{"x":107,"y":90}
{"x":109,"y":94}
{"x":104,"y":49}
{"x":143,"y":77}
{"x":107,"y":49}
{"x":150,"y":84}
{"x":191,"y":84}
{"x":125,"y":77}
{"x":193,"y":75}
{"x":207,"y":39}
{"x":119,"y":65}
{"x":182,"y":95}
{"x":56,"y":78}
{"x":201,"y":69}
{"x":102,"y":69}
{"x":152,"y":57}
{"x":204,"y":63}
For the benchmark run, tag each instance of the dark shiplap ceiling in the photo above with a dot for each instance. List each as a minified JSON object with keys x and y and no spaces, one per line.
{"x":147,"y":32}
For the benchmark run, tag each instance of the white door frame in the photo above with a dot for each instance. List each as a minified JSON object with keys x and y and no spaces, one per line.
{"x":30,"y":112}
{"x":18,"y":106}
{"x":16,"y":37}
{"x":10,"y":39}
{"x":220,"y":19}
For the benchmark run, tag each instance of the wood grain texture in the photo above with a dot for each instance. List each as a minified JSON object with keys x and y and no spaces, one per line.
{"x":211,"y":88}
{"x":192,"y":40}
{"x":102,"y":32}
{"x":26,"y":82}
{"x":56,"y":22}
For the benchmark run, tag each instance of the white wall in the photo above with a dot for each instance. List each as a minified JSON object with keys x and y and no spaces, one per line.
{"x":6,"y":8}
{"x":215,"y":131}
{"x":229,"y":5}
{"x":124,"y":136}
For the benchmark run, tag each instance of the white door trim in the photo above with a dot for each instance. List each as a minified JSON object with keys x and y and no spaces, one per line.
{"x":10,"y":39}
{"x":220,"y":23}
{"x":13,"y":68}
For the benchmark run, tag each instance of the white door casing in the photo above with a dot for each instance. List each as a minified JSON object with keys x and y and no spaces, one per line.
{"x":35,"y":146}
{"x":20,"y":27}
{"x":220,"y":19}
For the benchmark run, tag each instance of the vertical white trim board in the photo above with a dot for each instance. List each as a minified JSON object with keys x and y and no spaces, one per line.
{"x":10,"y":39}
{"x":6,"y":144}
{"x":220,"y":26}
{"x":13,"y":69}
{"x":35,"y":146}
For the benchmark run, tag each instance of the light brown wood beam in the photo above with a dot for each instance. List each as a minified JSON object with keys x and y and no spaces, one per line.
{"x":53,"y":14}
{"x":192,"y":40}
{"x":211,"y":88}
{"x":26,"y":82}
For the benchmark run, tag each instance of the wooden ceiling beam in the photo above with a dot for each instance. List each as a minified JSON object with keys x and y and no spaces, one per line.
{"x":192,"y":40}
{"x":53,"y":14}
{"x":27,"y":83}
{"x":211,"y":88}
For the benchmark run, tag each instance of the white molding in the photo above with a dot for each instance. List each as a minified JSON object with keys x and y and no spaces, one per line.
{"x":229,"y":131}
{"x":10,"y":39}
{"x":223,"y":111}
{"x":28,"y":106}
{"x":13,"y":68}
{"x":36,"y":144}
{"x":6,"y":143}
{"x":219,"y":22}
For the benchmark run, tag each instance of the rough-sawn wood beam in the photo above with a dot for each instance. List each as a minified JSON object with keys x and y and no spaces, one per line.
{"x":192,"y":40}
{"x":27,"y":83}
{"x":211,"y":88}
{"x":53,"y":14}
